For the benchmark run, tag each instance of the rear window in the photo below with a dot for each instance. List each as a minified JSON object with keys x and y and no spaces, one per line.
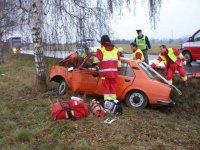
{"x":126,"y":70}
{"x":147,"y":70}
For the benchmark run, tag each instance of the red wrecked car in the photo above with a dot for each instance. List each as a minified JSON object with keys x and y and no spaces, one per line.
{"x":136,"y":85}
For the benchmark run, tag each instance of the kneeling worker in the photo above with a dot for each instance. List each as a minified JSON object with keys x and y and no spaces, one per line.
{"x":173,"y":61}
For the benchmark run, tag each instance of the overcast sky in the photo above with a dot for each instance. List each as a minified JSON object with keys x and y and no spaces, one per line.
{"x":178,"y":18}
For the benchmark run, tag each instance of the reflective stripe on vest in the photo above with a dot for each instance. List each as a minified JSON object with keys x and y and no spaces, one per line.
{"x":108,"y":69}
{"x":141,"y":43}
{"x":134,"y":54}
{"x":170,"y":54}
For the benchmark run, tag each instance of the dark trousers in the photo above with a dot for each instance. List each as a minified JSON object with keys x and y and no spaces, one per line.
{"x":145,"y":53}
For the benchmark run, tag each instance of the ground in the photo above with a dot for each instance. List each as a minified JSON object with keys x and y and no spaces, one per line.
{"x":25,"y":121}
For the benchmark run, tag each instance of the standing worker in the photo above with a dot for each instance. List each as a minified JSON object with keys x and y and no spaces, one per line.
{"x":137,"y":53}
{"x":173,"y":61}
{"x":143,"y":44}
{"x":109,"y":65}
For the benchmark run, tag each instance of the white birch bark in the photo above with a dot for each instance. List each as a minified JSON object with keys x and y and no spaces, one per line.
{"x":36,"y":12}
{"x":1,"y":44}
{"x":1,"y":50}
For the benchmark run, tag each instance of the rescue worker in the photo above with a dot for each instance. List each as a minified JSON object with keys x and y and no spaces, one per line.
{"x":109,"y":65}
{"x":86,"y":52}
{"x":137,"y":53}
{"x":173,"y":61}
{"x":143,"y":44}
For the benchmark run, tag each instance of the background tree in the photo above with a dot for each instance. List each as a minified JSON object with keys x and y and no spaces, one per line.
{"x":8,"y":21}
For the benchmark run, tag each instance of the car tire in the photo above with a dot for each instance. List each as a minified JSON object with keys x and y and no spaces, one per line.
{"x":62,"y":88}
{"x":136,"y":99}
{"x":188,"y":57}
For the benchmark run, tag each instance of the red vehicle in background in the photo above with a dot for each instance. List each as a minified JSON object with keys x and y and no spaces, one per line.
{"x":191,"y":48}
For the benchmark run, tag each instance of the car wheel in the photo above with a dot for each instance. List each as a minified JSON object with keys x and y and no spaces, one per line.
{"x":188,"y":57}
{"x":136,"y":99}
{"x":62,"y":88}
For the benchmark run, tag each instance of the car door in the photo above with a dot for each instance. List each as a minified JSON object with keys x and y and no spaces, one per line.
{"x":85,"y":78}
{"x":125,"y":78}
{"x":195,"y":46}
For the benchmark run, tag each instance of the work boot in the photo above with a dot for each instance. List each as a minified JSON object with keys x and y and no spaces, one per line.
{"x":186,"y":83}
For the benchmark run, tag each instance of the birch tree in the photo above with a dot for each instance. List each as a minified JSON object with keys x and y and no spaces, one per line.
{"x":35,"y":24}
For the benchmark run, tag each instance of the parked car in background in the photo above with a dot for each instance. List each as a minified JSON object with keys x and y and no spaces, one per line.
{"x":191,"y":48}
{"x":15,"y":44}
{"x":136,"y":85}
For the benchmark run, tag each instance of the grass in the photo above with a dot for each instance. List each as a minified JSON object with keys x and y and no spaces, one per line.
{"x":25,"y":121}
{"x":126,"y":47}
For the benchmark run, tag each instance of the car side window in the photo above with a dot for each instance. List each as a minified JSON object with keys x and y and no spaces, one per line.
{"x":126,"y":70}
{"x":197,"y":37}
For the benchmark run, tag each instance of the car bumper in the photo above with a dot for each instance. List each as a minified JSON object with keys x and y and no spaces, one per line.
{"x":168,"y":103}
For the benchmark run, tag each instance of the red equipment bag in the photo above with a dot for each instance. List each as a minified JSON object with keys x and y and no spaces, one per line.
{"x":74,"y":109}
{"x":58,"y":111}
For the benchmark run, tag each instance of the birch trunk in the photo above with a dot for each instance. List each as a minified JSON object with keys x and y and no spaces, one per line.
{"x":1,"y":50}
{"x":36,"y":13}
{"x":1,"y":42}
{"x":1,"y":34}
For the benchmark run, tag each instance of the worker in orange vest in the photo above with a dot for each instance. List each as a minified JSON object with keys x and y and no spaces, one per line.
{"x":173,"y":61}
{"x":137,"y":53}
{"x":109,"y":65}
